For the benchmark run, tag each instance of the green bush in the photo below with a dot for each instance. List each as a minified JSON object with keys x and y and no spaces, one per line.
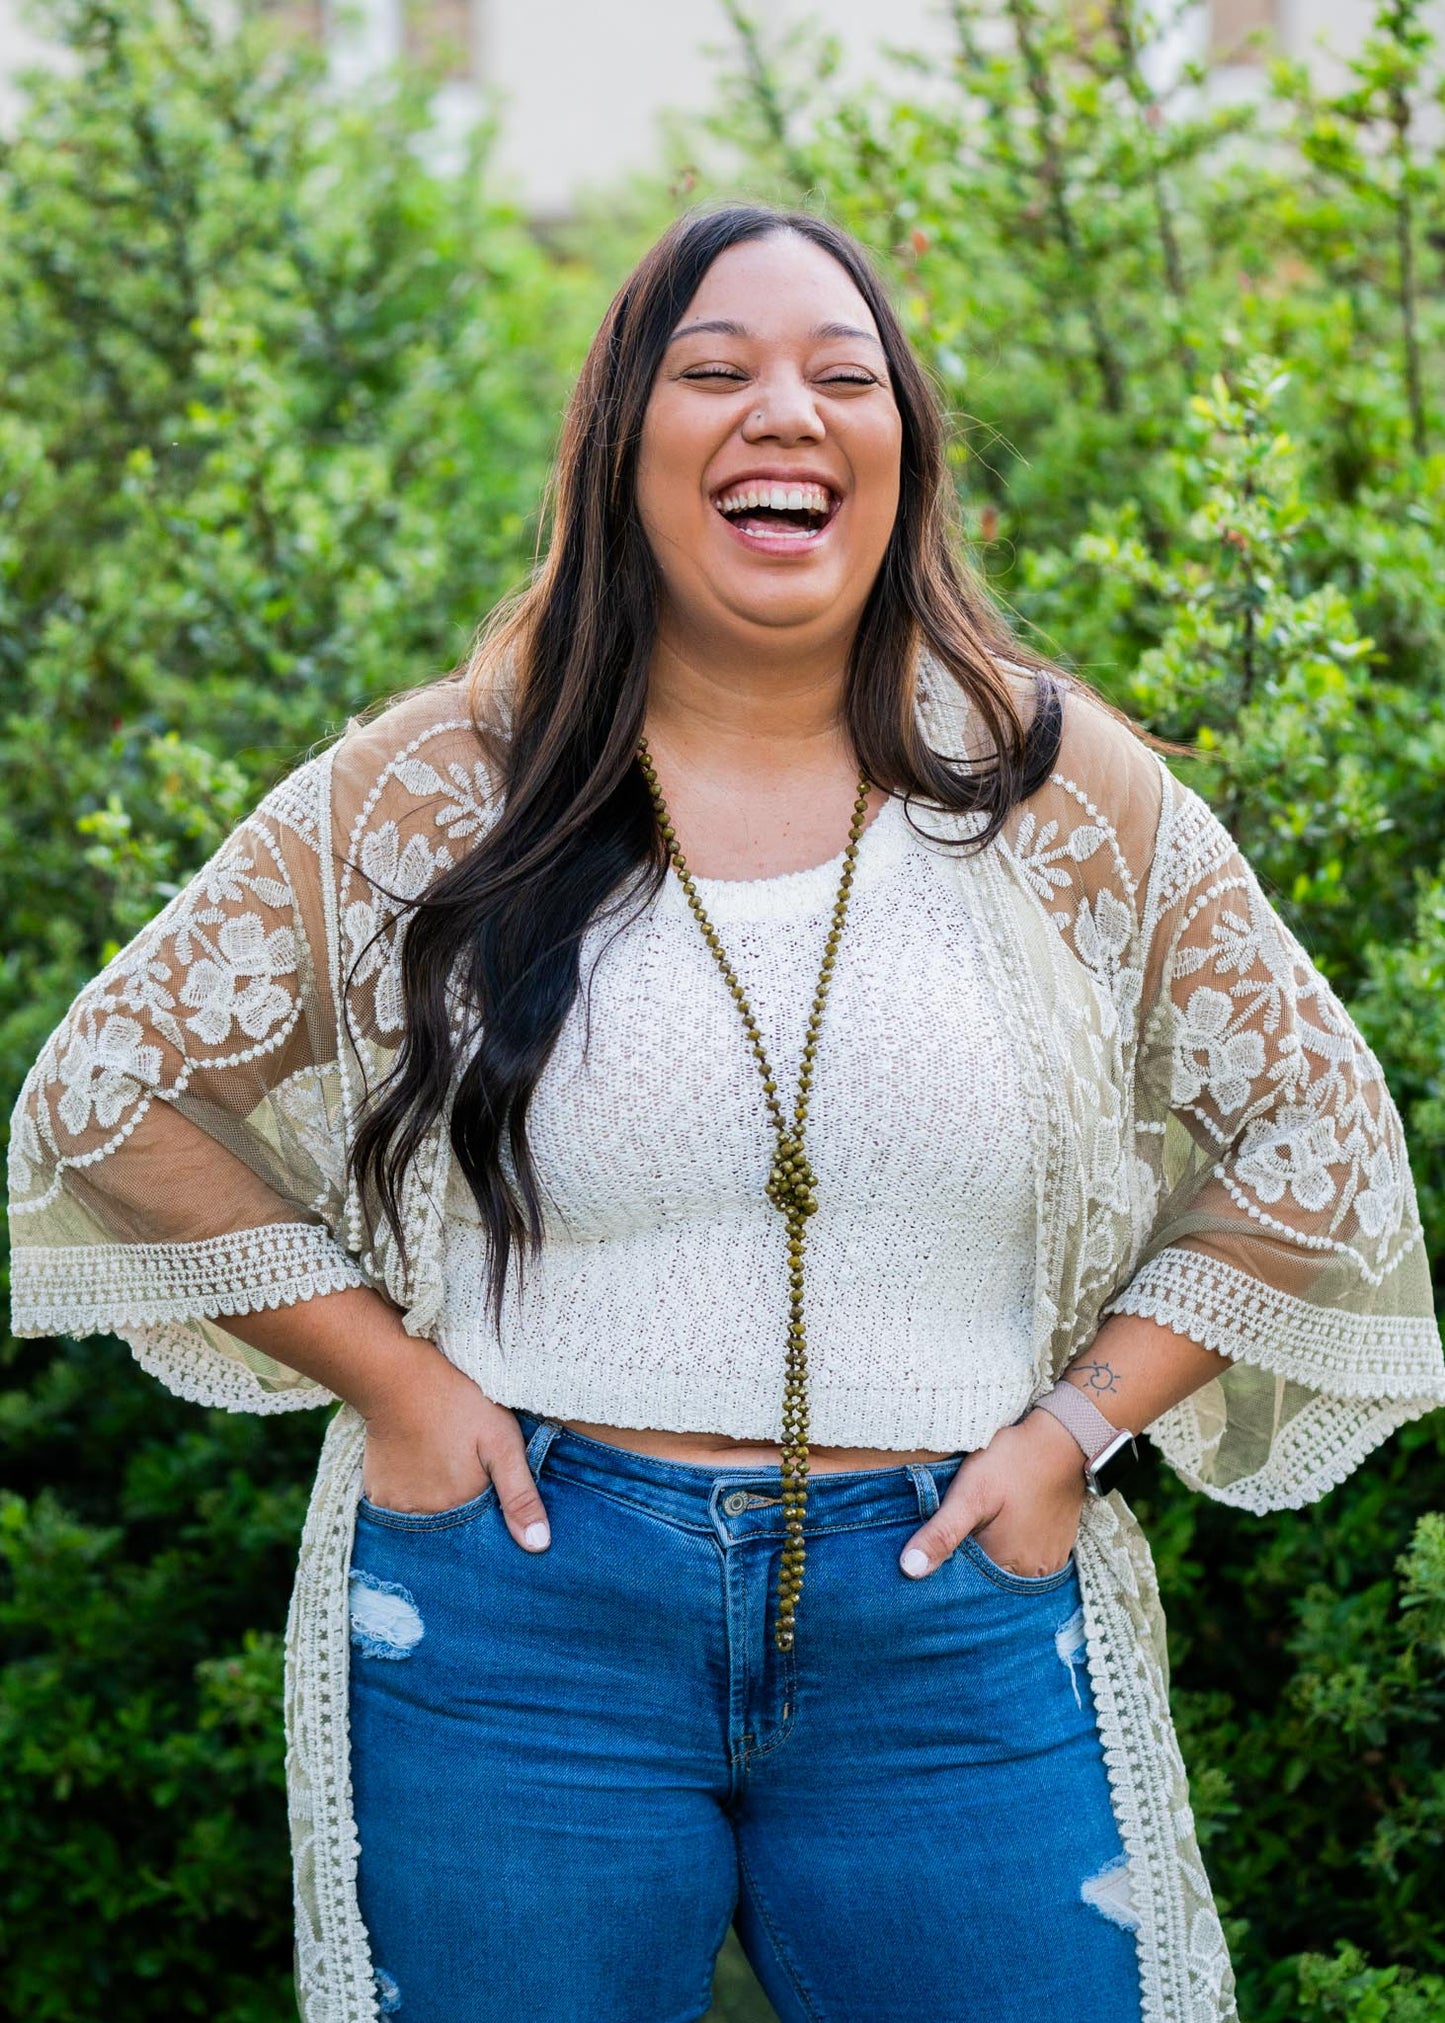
{"x":276,"y":399}
{"x":276,"y":403}
{"x":1346,"y":1988}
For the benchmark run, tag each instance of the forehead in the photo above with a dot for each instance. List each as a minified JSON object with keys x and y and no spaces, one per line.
{"x":779,"y":286}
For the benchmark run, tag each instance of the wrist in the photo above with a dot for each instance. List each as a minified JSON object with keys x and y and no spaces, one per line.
{"x":406,"y":1381}
{"x":1055,"y":1446}
{"x":1107,"y":1451}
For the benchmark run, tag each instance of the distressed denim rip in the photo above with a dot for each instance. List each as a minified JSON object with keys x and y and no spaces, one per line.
{"x":573,"y":1770}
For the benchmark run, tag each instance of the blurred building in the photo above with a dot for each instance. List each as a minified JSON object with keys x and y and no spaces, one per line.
{"x":581,"y":85}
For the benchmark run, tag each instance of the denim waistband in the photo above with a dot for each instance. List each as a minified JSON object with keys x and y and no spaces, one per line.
{"x":734,"y":1500}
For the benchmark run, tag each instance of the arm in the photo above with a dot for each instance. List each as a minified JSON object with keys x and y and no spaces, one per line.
{"x":1284,"y":1257}
{"x":433,"y":1439}
{"x":1022,"y":1494}
{"x":178,"y":1154}
{"x":175,"y":1152}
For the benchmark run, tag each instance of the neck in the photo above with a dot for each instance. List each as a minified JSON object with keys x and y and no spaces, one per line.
{"x":756,"y":708}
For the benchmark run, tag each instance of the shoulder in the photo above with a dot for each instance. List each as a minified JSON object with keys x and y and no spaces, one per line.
{"x":433,"y":725}
{"x":1106,"y":771}
{"x":1166,"y":837}
{"x":417,"y":770}
{"x":1102,"y":763}
{"x":1103,"y":796}
{"x":1084,"y":840}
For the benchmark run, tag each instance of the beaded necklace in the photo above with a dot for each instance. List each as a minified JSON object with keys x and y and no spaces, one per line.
{"x":792,"y":1184}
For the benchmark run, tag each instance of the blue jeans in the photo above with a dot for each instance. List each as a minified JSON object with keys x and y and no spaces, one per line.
{"x":572,"y":1770}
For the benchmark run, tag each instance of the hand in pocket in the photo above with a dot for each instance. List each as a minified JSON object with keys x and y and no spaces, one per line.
{"x":443,"y":1444}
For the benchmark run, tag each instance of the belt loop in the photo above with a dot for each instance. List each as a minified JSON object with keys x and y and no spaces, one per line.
{"x":924,"y":1486}
{"x":537,"y":1446}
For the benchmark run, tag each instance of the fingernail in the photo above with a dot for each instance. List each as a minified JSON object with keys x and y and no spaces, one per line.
{"x":536,"y":1538}
{"x":915,"y":1562}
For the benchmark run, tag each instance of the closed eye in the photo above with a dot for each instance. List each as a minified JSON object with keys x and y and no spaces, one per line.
{"x":735,"y":375}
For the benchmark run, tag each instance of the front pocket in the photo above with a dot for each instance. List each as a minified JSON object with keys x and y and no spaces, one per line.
{"x":1015,"y":1583}
{"x":425,"y":1520}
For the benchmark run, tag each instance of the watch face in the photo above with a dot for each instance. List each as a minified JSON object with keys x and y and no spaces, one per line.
{"x":1110,"y":1468}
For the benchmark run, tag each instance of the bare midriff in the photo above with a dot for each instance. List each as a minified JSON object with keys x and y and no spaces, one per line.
{"x":716,"y":1450}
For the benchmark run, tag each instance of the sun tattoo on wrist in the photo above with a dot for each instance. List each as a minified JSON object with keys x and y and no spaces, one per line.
{"x":1096,"y":1376}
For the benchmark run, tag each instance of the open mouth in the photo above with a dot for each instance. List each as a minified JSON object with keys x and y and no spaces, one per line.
{"x":768,"y":511}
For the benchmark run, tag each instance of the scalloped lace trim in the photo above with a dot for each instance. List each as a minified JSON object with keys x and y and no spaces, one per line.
{"x":1345,"y":1355}
{"x":1311,"y":1454}
{"x":87,"y":1289}
{"x":190,"y":1361}
{"x":1184,"y":1970}
{"x":334,"y":1979}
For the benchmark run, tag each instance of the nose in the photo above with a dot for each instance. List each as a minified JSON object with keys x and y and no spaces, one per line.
{"x":784,"y":411}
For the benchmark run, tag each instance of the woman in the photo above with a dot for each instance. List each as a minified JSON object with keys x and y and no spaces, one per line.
{"x":488,"y":1080}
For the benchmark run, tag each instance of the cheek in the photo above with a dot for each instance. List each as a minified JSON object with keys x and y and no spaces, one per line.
{"x":876,"y":469}
{"x":653,"y":481}
{"x":672,"y":457}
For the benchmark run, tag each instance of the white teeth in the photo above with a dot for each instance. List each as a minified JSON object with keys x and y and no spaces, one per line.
{"x":778,"y":498}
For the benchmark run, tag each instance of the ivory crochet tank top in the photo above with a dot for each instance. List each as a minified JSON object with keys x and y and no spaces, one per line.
{"x":659,"y":1298}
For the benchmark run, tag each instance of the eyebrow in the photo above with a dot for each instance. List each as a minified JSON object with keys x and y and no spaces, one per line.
{"x":724,"y":327}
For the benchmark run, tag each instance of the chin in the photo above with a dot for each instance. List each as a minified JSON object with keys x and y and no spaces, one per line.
{"x":787,"y":617}
{"x":780,"y":604}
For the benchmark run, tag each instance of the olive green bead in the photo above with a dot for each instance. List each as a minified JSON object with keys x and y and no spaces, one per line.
{"x":792,"y":1186}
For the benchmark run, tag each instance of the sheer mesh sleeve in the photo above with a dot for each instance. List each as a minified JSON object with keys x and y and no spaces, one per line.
{"x":179,"y":1151}
{"x":1284,"y":1231}
{"x":175,"y":1155}
{"x":1235,"y":1167}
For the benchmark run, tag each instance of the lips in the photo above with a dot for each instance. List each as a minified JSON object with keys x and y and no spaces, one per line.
{"x":777,"y":511}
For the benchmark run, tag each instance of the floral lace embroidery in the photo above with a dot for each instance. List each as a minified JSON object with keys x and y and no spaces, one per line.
{"x":1184,"y":1059}
{"x":396,"y":872}
{"x":201,"y":977}
{"x":1268,"y":1069}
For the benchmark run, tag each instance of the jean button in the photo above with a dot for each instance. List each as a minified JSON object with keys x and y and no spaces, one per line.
{"x":737,"y":1503}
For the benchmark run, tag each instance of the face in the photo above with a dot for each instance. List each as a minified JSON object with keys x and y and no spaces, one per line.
{"x":769,"y":467}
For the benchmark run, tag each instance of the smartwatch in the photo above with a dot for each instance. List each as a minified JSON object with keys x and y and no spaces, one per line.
{"x":1109,"y":1451}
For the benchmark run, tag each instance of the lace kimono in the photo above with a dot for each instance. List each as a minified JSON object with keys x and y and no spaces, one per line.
{"x":1216,"y":1150}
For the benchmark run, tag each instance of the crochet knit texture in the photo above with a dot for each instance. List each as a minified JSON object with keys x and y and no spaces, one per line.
{"x":1086,"y":1069}
{"x":658,"y":1298}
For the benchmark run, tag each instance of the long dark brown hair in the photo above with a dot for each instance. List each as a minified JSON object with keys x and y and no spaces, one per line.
{"x":559,"y":688}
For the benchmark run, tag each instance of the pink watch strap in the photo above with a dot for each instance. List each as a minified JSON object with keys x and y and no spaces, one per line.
{"x":1081,"y":1416}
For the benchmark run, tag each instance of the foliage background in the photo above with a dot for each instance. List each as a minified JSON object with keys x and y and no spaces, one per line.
{"x":276,"y":401}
